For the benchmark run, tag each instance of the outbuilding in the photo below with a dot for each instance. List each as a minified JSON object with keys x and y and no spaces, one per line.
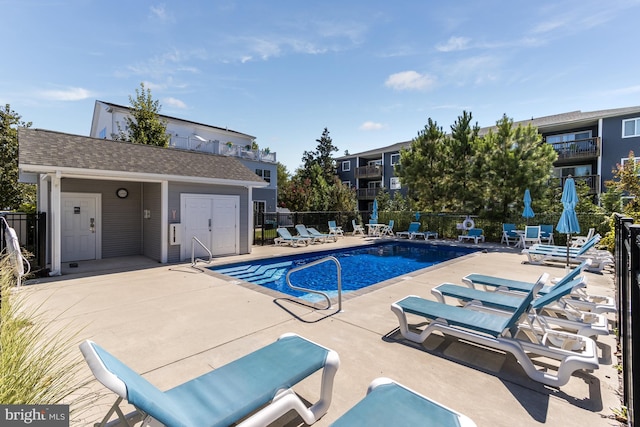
{"x":106,"y":198}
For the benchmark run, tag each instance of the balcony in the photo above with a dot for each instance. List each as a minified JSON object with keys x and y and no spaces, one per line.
{"x":592,"y":181}
{"x":578,"y":149}
{"x":374,"y":171}
{"x":368,"y":193}
{"x":223,"y":149}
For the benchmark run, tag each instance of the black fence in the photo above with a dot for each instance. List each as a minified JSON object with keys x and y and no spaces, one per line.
{"x":627,"y":256}
{"x":446,"y":225}
{"x":31,"y":230}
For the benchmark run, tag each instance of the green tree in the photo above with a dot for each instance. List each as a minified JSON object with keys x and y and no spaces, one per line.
{"x":509,"y":161}
{"x":626,"y":184}
{"x":461,"y":148}
{"x":13,"y":195}
{"x":321,"y":156}
{"x":144,"y":126}
{"x":420,"y":168}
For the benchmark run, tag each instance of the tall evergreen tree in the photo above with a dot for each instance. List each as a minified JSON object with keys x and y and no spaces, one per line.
{"x":460,"y":174}
{"x":421,"y":168}
{"x":144,"y":126}
{"x":322,"y":156}
{"x":12,"y":193}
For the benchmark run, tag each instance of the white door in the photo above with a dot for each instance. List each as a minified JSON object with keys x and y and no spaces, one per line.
{"x":225,"y":225}
{"x":80,"y":226}
{"x":213,"y":220}
{"x":197,"y":223}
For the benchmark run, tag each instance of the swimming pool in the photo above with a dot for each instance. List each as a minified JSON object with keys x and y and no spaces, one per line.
{"x":361,"y":267}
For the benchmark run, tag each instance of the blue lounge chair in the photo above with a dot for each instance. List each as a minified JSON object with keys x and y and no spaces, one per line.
{"x":413,"y":229}
{"x":318,"y":235}
{"x":542,"y":254}
{"x":509,"y":234}
{"x":389,"y":403}
{"x":474,"y":234}
{"x":305,"y":233}
{"x":556,"y":314}
{"x":285,"y":237}
{"x":546,"y":234}
{"x":501,"y":332}
{"x":357,"y":228}
{"x":579,"y":297}
{"x":260,"y":381}
{"x":335,"y":229}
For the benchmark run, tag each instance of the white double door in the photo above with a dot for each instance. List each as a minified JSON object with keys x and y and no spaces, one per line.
{"x":213,"y":220}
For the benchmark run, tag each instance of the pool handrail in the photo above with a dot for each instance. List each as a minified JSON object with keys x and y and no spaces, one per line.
{"x":195,"y":260}
{"x":313,"y":291}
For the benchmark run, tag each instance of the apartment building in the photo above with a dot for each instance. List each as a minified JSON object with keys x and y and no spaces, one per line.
{"x":589,"y":146}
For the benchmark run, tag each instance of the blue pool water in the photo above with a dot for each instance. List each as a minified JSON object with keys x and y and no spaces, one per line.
{"x":361,"y":267}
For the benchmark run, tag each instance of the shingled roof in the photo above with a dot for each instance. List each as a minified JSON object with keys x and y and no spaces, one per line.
{"x":39,"y":149}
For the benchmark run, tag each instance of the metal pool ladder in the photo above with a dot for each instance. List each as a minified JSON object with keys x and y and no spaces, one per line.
{"x":195,"y":260}
{"x":313,"y":291}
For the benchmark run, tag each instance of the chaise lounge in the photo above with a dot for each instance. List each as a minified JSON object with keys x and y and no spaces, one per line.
{"x":285,"y":238}
{"x":257,"y":386}
{"x":502,"y":332}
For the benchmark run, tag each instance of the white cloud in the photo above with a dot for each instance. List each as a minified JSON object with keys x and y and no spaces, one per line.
{"x":174,"y":102}
{"x":161,"y":13}
{"x":71,"y":94}
{"x":410,"y":80}
{"x":454,"y":43}
{"x":371,"y":126}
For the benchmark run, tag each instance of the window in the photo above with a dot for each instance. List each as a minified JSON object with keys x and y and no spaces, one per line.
{"x":374,"y":184}
{"x":346,"y":166}
{"x":395,"y":159}
{"x":346,"y":183}
{"x":626,"y":159}
{"x":394,"y":183}
{"x":374,"y":162}
{"x":631,"y":128}
{"x":582,"y":170}
{"x":103,"y":133}
{"x":264,"y":174}
{"x":565,"y":137}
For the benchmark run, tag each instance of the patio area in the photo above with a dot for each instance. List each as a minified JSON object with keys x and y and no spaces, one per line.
{"x":172,"y":323}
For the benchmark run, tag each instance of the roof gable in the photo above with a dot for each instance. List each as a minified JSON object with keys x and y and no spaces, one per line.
{"x":43,"y":148}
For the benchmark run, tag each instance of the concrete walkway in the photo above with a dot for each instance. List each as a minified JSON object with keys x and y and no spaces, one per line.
{"x":172,"y":323}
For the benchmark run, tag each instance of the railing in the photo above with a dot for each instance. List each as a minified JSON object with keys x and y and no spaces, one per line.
{"x":580,"y":148}
{"x":627,"y":256}
{"x":31,"y":230}
{"x":368,"y":193}
{"x":195,"y":260}
{"x":592,"y":181}
{"x":369,"y":171}
{"x":224,"y":149}
{"x":313,"y":291}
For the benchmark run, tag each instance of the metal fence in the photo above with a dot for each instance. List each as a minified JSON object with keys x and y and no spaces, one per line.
{"x":31,"y":230}
{"x":627,"y":256}
{"x":446,"y":225}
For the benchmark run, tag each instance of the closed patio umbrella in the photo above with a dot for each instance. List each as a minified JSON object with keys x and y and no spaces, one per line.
{"x":568,"y":223}
{"x":374,"y":211}
{"x":528,"y":212}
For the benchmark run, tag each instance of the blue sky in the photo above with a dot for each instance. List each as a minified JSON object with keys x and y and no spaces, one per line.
{"x":372,"y":72}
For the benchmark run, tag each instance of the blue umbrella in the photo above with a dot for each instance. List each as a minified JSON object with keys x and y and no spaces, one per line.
{"x":417,"y":216}
{"x":568,"y":223}
{"x":528,"y":212}
{"x":374,"y":212}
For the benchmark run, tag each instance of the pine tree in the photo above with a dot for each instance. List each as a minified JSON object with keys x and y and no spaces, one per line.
{"x":144,"y":126}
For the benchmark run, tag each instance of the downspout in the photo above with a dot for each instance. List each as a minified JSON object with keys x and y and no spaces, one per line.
{"x":599,"y":163}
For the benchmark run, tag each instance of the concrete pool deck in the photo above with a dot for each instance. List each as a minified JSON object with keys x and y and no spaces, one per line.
{"x":172,"y":323}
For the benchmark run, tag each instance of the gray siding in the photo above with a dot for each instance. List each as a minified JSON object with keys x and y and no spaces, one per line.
{"x":151,"y":227}
{"x":614,"y":147}
{"x":121,"y":218}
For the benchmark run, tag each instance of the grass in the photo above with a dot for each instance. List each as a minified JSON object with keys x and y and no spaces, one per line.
{"x":38,"y":364}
